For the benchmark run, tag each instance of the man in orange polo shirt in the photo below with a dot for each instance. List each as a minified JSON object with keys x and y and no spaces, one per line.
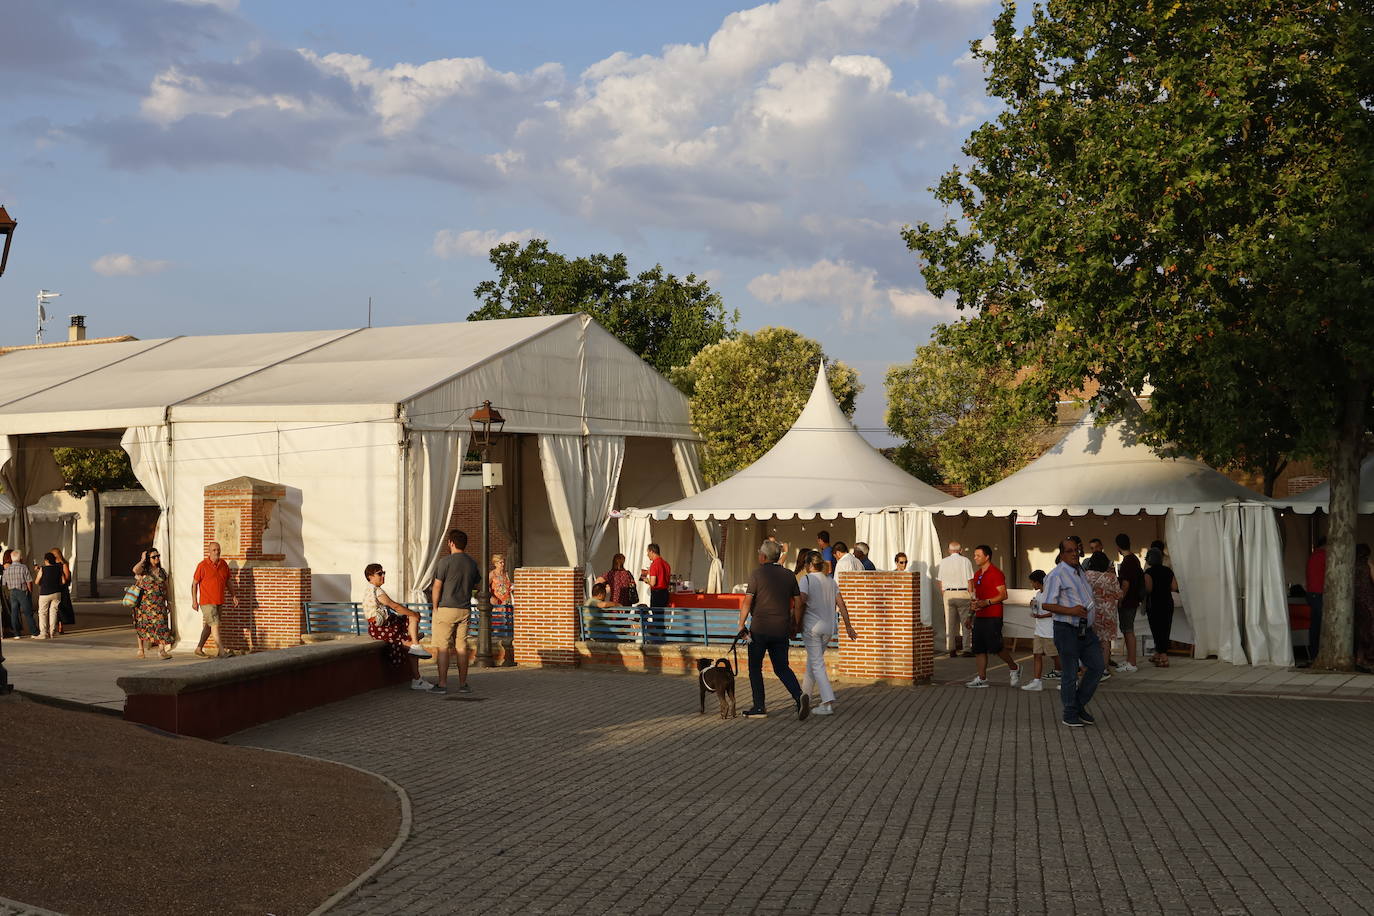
{"x":208,"y":591}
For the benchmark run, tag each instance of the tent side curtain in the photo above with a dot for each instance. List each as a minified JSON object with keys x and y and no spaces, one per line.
{"x":635,"y":538}
{"x":582,"y":475}
{"x":910,"y":531}
{"x":150,"y":456}
{"x":1205,"y":550}
{"x":1267,"y":633}
{"x":688,"y":460}
{"x":28,"y":474}
{"x":434,"y":462}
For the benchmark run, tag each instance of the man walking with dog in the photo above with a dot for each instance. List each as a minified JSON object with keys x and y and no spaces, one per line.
{"x":774,"y":603}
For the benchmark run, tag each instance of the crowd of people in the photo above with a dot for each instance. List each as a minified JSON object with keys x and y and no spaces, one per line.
{"x":37,"y":597}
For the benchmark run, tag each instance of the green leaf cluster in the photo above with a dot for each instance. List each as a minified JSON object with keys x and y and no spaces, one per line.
{"x":746,"y":392}
{"x":960,"y":422}
{"x":100,"y":469}
{"x":663,"y":318}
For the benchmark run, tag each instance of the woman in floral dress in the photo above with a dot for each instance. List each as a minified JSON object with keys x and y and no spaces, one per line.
{"x":1106,"y":596}
{"x":150,"y":614}
{"x":501,"y":590}
{"x":391,"y":628}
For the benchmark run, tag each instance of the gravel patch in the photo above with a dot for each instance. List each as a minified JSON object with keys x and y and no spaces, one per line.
{"x":102,"y":816}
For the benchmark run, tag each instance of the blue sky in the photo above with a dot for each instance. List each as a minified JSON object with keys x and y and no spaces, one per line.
{"x":200,"y":166}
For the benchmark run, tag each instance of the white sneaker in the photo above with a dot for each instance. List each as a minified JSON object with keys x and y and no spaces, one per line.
{"x":418,"y":651}
{"x":1034,"y":685}
{"x":421,"y":684}
{"x":1126,"y":667}
{"x":1015,"y":676}
{"x":977,"y":682}
{"x":825,"y":709}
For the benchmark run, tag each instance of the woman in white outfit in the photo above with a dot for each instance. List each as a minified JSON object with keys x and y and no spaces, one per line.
{"x":820,"y":599}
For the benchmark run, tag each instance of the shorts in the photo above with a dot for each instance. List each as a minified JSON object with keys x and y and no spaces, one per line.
{"x":211,"y":614}
{"x":1125,"y":618}
{"x":1043,"y":645}
{"x":987,"y":635}
{"x":448,"y":623}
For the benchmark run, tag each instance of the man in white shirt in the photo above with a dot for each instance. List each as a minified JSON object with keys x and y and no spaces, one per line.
{"x":844,"y":560}
{"x":952,"y":579}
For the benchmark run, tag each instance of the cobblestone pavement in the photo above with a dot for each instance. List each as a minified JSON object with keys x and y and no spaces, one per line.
{"x":589,"y":792}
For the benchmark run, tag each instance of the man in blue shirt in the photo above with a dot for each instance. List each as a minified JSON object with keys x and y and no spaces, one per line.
{"x":828,"y":555}
{"x":1069,"y":597}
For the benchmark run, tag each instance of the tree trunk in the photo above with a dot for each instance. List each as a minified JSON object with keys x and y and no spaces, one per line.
{"x":1338,"y":618}
{"x":1271,"y":477}
{"x":93,"y":588}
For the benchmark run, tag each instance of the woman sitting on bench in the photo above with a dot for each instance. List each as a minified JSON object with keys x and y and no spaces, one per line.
{"x":389,"y":621}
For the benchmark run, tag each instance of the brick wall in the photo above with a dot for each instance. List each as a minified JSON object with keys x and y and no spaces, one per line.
{"x":265,"y":612}
{"x":546,"y":624}
{"x":467,"y":517}
{"x":893,"y":645}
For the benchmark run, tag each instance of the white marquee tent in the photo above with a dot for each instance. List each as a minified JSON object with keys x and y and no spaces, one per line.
{"x":366,"y":428}
{"x":1319,"y":497}
{"x":822,"y":468}
{"x":1223,"y":538}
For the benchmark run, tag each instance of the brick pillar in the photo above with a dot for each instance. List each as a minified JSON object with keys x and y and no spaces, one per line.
{"x":265,"y":610}
{"x":546,"y":623}
{"x":893,"y":644}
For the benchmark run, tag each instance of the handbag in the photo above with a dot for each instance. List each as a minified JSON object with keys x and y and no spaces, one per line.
{"x":131,"y":596}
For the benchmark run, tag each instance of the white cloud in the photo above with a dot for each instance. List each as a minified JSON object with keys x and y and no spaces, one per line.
{"x":475,"y":243}
{"x":126,"y":265}
{"x":855,"y":290}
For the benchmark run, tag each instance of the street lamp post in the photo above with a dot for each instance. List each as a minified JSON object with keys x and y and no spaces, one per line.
{"x":482,"y":421}
{"x":7,"y":230}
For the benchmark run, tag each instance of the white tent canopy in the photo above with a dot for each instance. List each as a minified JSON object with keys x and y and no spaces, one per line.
{"x":1224,"y":539}
{"x":821,"y":468}
{"x":1319,"y":497}
{"x":366,"y":428}
{"x":1102,"y":469}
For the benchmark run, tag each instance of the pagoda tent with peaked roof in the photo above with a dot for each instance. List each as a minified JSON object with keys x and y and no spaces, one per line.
{"x":1304,"y":518}
{"x":1223,"y":539}
{"x":821,"y":474}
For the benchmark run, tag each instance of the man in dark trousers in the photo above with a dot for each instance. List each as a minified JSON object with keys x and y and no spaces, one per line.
{"x":774,"y":602}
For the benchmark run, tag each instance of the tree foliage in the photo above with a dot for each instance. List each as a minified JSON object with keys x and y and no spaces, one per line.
{"x":1178,"y":195}
{"x":960,"y":422}
{"x":99,"y":469}
{"x":746,"y":392}
{"x":660,"y":316}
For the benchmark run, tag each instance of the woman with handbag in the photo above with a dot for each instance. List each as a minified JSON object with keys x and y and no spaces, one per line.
{"x":150,"y":607}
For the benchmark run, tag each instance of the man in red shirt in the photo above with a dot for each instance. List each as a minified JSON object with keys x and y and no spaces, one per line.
{"x":657,"y":577}
{"x":208,"y":591}
{"x":989,"y":591}
{"x":1316,"y":585}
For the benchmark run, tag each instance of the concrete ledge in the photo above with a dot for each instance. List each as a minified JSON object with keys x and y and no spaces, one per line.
{"x":228,"y":695}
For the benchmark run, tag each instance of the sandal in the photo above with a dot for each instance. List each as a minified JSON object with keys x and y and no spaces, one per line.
{"x":163,"y":653}
{"x":140,"y":654}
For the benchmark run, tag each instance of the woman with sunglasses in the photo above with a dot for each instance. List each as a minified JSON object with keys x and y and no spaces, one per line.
{"x":150,"y":614}
{"x":900,"y":562}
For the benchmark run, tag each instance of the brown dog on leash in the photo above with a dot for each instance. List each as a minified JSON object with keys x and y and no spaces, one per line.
{"x":719,"y":678}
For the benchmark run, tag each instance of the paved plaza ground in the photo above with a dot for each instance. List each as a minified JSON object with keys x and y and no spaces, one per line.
{"x":581,"y":791}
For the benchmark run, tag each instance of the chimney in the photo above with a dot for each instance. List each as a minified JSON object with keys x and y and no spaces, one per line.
{"x":77,"y":331}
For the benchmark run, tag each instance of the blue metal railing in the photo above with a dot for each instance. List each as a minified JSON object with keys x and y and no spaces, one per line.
{"x":665,"y":625}
{"x":348,"y":617}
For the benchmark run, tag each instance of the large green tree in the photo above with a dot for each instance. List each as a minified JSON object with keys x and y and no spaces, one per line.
{"x":95,"y":471}
{"x":664,"y":318}
{"x":746,"y":392}
{"x":1178,"y":195}
{"x":959,"y":421}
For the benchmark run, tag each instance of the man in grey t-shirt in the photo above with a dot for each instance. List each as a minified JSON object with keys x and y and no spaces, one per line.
{"x":455,"y":577}
{"x":774,"y":604}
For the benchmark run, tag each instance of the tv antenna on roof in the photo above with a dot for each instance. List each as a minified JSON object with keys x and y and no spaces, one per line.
{"x":44,"y":297}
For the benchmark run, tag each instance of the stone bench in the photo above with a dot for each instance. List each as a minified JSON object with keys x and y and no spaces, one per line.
{"x":223,"y":696}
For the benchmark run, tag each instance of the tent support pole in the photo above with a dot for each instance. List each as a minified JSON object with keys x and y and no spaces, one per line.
{"x":1013,"y":563}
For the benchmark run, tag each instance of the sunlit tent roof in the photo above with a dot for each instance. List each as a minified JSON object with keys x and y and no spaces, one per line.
{"x":547,"y":370}
{"x":1319,"y":497}
{"x":1102,"y":470}
{"x":821,"y":467}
